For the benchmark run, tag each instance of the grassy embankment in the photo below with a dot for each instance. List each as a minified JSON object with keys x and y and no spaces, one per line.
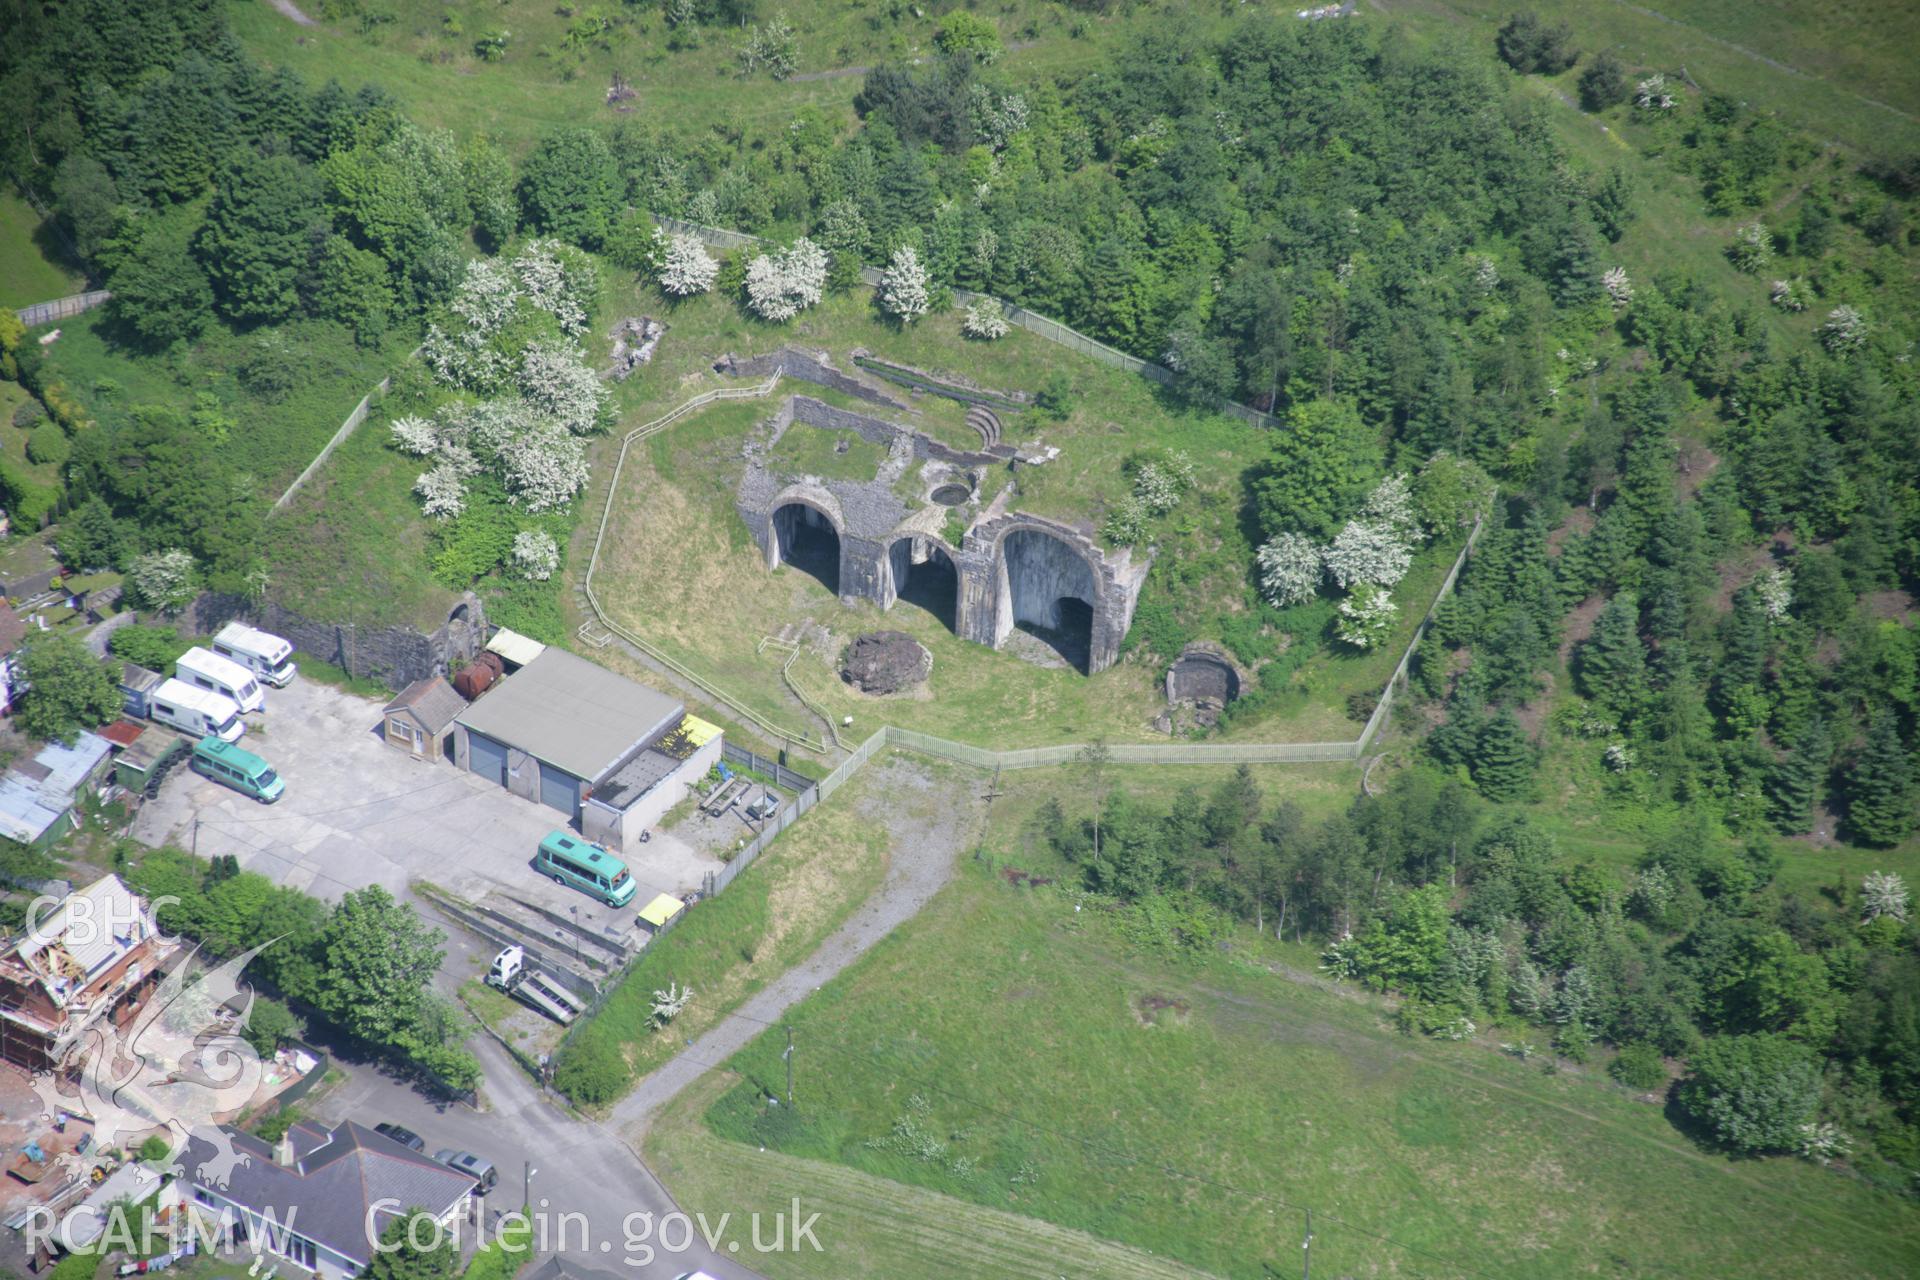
{"x":782,"y":907}
{"x":1192,"y":1106}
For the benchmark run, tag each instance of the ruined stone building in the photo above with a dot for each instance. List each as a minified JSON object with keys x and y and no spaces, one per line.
{"x":940,"y":525}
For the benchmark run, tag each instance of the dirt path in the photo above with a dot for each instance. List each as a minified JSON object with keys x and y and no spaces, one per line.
{"x":929,"y":818}
{"x":292,"y":11}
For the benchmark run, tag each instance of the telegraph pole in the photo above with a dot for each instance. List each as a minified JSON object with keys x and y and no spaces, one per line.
{"x":788,"y":1055}
{"x":1306,"y":1250}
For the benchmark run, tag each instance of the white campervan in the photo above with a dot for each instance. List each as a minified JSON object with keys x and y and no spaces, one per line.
{"x":266,"y":655}
{"x":207,"y":670}
{"x":196,"y":711}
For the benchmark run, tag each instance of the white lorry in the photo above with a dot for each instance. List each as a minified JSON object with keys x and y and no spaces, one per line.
{"x":266,"y":655}
{"x":512,"y":974}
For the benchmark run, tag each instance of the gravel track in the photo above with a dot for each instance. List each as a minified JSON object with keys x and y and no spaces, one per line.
{"x":929,"y":821}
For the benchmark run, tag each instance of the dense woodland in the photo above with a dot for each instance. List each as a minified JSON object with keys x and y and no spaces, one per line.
{"x":1698,"y":571}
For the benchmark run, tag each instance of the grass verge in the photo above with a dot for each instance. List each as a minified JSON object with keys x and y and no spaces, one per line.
{"x":1010,"y":1051}
{"x":798,"y":892}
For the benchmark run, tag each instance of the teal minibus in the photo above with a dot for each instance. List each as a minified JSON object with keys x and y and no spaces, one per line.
{"x":585,"y":866}
{"x":242,"y":770}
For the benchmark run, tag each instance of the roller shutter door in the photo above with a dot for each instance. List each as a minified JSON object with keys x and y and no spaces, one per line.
{"x":559,"y":790}
{"x":487,"y":758}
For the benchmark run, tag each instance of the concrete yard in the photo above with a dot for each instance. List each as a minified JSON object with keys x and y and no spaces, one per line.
{"x":358,"y":812}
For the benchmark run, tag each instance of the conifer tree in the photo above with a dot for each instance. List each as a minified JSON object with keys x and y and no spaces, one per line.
{"x":1613,"y":662}
{"x":1793,"y":784}
{"x":1880,"y":790}
{"x":1502,"y":764}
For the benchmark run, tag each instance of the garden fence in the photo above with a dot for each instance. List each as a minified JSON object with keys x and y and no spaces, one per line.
{"x":781,"y":775}
{"x":347,"y":428}
{"x":1399,"y":677}
{"x":61,"y":308}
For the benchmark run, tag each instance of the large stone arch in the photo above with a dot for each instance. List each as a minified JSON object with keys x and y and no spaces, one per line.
{"x":806,"y":529}
{"x":924,"y":571}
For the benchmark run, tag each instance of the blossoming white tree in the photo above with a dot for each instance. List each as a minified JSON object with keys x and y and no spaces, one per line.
{"x":486,"y":296}
{"x":1845,"y":330}
{"x":781,"y":286}
{"x":1368,"y":551}
{"x":1291,"y":567}
{"x":1884,"y":893}
{"x":164,"y":579}
{"x":535,"y":554}
{"x":442,"y":492}
{"x":1366,"y":616}
{"x":543,"y":468}
{"x":558,"y":383}
{"x":689,"y":269}
{"x":559,"y":280}
{"x":984,"y":320}
{"x":1752,"y":247}
{"x":1391,"y":503}
{"x":1775,"y":589}
{"x":1652,"y":94}
{"x":414,"y":435}
{"x":903,"y":286}
{"x":1619,"y":288}
{"x":1789,"y":295}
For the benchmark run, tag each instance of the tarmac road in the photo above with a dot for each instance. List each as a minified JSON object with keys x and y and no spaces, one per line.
{"x":582,"y":1168}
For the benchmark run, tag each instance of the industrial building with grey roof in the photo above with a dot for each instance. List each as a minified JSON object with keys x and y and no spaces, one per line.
{"x":609,"y":753}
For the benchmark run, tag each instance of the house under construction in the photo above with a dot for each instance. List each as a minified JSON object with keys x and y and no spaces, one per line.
{"x":90,"y":962}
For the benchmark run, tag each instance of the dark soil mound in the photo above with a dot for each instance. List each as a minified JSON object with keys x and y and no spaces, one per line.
{"x":886,"y":662}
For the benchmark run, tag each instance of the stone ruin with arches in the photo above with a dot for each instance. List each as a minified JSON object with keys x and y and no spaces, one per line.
{"x":935,"y":525}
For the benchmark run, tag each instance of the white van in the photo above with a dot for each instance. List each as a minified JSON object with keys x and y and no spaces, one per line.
{"x":207,"y":670}
{"x":267,"y":656}
{"x":196,"y":711}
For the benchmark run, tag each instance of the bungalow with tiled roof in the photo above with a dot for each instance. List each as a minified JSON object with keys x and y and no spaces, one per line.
{"x":321,"y":1198}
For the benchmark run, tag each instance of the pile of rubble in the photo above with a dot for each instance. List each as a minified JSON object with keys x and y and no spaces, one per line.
{"x":884,"y":662}
{"x":633,"y":342}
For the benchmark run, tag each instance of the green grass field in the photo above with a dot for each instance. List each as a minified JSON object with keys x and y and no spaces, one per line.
{"x":32,"y":263}
{"x":1007,"y":1051}
{"x":280,"y":434}
{"x":1841,"y":71}
{"x":426,"y":56}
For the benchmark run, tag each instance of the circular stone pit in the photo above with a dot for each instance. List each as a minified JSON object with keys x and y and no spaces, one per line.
{"x":886,"y":662}
{"x":952,"y":495}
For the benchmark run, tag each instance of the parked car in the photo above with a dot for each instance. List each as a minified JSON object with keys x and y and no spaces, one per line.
{"x":484,"y":1175}
{"x":405,"y":1137}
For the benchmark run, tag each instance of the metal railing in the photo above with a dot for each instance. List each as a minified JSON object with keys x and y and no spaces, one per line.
{"x":778,"y":732}
{"x":62,"y":308}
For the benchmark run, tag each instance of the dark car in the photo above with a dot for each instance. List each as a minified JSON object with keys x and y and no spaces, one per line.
{"x":484,"y":1175}
{"x":405,"y":1137}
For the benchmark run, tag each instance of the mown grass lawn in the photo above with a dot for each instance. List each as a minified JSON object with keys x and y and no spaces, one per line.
{"x":1008,"y":1050}
{"x":423,"y":51}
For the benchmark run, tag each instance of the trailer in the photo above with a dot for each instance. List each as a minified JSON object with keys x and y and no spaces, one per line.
{"x":512,"y":974}
{"x":725,"y":795}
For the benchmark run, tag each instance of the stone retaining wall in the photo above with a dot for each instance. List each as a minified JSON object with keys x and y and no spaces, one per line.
{"x":394,"y":655}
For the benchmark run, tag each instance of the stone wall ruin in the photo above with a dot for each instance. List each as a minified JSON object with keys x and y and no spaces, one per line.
{"x":1012,"y":569}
